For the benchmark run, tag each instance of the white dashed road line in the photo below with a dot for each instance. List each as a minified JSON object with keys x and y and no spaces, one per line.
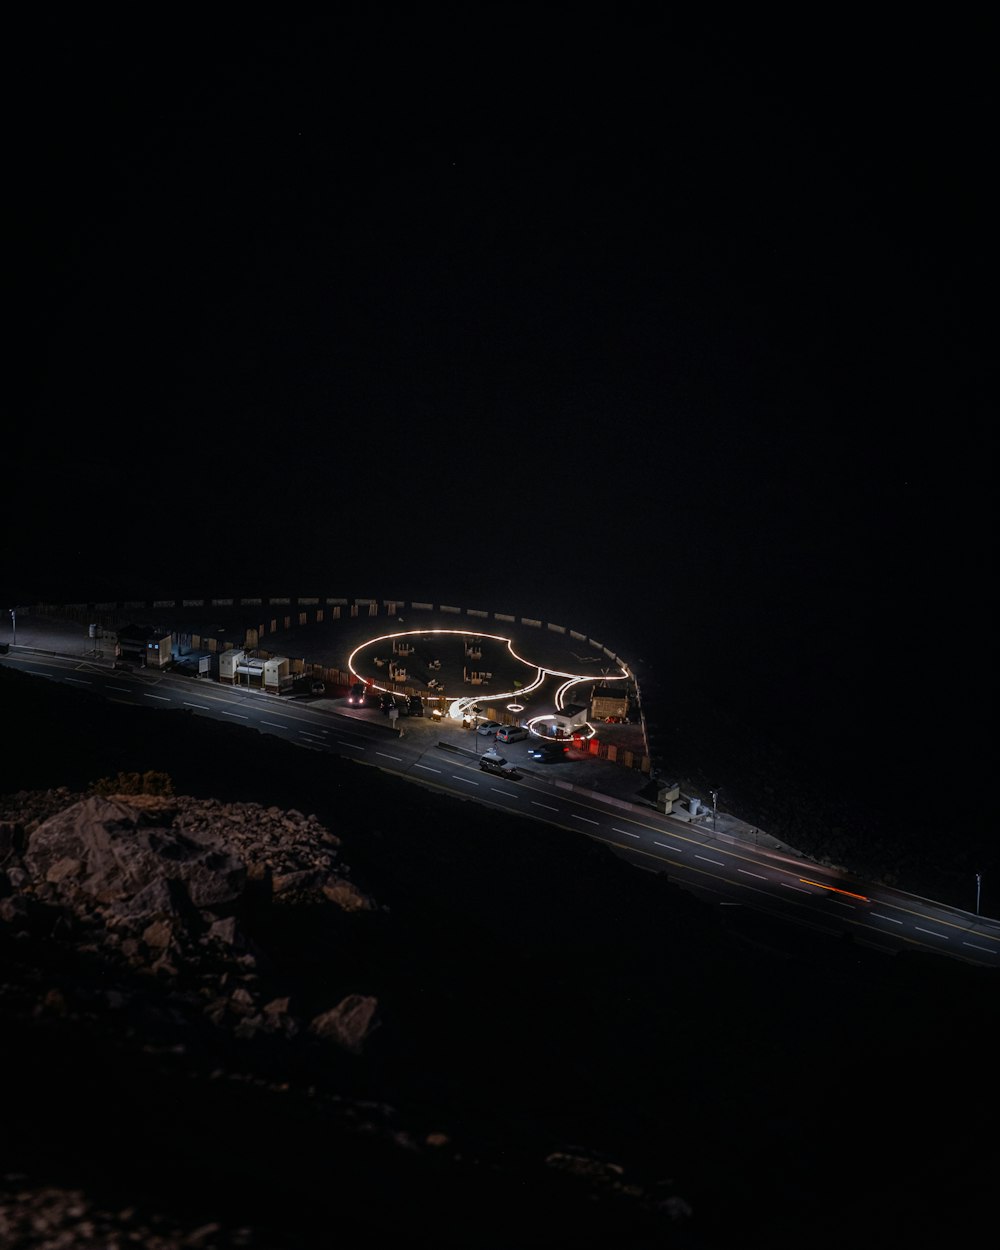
{"x":308,"y":734}
{"x":676,"y":849}
{"x":796,"y":888}
{"x":427,"y":768}
{"x":747,"y":873}
{"x":353,"y":745}
{"x":202,"y":707}
{"x":465,"y":779}
{"x":585,"y":818}
{"x":162,"y":697}
{"x":710,"y":861}
{"x":976,"y":947}
{"x":79,"y":681}
{"x":878,"y":915}
{"x":627,"y":832}
{"x":506,"y":793}
{"x":545,"y":805}
{"x":119,"y":689}
{"x":271,"y":724}
{"x":237,"y":715}
{"x":930,"y":933}
{"x":397,"y":758}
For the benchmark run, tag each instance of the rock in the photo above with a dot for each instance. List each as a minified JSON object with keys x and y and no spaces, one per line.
{"x":223,"y":930}
{"x":120,"y":854}
{"x":158,"y":934}
{"x":346,"y":895}
{"x":349,"y":1023}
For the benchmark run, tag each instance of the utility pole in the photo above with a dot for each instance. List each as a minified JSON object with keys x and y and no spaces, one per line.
{"x":715,"y":803}
{"x":979,"y":880}
{"x":13,"y":623}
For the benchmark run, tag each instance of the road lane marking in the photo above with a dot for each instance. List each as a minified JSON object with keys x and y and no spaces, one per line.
{"x":798,"y":889}
{"x":426,"y":767}
{"x":586,"y":818}
{"x":397,"y":758}
{"x":747,"y":873}
{"x":878,"y":915}
{"x":509,"y":793}
{"x":989,"y":950}
{"x":627,"y":832}
{"x":308,"y":734}
{"x":353,"y":745}
{"x":710,"y":861}
{"x":545,"y":805}
{"x":79,"y":681}
{"x":120,"y":689}
{"x":271,"y":724}
{"x":468,"y":782}
{"x":930,"y":932}
{"x":162,"y":697}
{"x":202,"y":707}
{"x":678,"y":849}
{"x":238,"y":715}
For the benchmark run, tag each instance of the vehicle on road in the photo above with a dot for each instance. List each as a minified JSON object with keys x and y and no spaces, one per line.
{"x":511,"y":733}
{"x":548,"y":752}
{"x":497,"y":765}
{"x":487,"y":729}
{"x":356,"y":695}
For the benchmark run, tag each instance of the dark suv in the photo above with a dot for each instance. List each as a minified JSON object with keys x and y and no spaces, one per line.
{"x":499,"y":767}
{"x":548,"y":751}
{"x":356,"y":697}
{"x":415,"y":705}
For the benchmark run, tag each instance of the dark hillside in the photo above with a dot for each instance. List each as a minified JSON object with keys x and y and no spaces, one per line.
{"x":569,"y":1051}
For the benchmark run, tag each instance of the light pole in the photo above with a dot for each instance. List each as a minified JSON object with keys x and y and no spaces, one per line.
{"x":979,"y":879}
{"x":13,"y":623}
{"x":715,"y":801}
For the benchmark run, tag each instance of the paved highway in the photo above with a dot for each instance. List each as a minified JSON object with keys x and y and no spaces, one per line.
{"x":441,"y":757}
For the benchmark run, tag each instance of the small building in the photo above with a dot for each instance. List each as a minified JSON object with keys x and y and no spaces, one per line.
{"x":148,"y":646}
{"x":608,"y":701}
{"x":667,"y":794}
{"x":276,"y":674}
{"x":565,"y":722}
{"x":238,"y":667}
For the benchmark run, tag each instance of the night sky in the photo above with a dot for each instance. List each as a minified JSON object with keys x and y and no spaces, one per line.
{"x":676,"y":330}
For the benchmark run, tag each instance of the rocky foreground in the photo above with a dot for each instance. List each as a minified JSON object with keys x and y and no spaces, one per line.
{"x":146,"y":957}
{"x":226,"y":1022}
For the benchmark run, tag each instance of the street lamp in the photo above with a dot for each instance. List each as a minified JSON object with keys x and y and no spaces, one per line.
{"x":13,"y":623}
{"x":979,"y":879}
{"x":475,"y":726}
{"x":715,"y":801}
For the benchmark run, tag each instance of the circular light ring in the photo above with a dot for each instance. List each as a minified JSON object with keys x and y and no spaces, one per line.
{"x":457,"y":708}
{"x":515,"y":707}
{"x":586,"y":730}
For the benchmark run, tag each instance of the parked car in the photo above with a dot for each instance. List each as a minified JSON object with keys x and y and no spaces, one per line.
{"x":388,"y":702}
{"x":547,"y":751}
{"x":415,"y":705}
{"x":356,"y":697}
{"x":488,"y":728}
{"x":511,"y":733}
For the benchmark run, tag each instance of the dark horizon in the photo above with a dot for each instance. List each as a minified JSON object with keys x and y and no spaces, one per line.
{"x":686,"y":321}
